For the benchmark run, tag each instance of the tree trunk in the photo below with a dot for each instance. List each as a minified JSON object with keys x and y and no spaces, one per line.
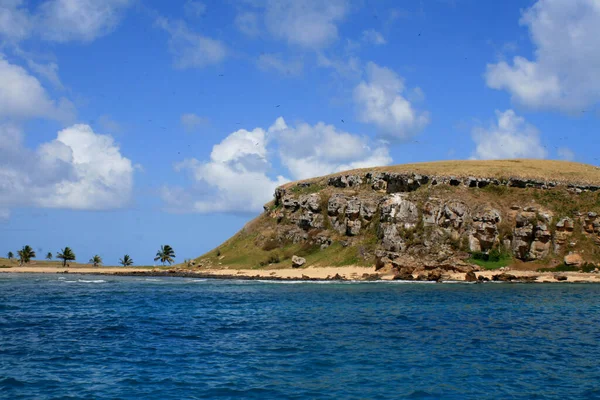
{"x":64,"y":262}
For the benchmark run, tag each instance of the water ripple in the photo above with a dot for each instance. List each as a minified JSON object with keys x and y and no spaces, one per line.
{"x":172,"y":338}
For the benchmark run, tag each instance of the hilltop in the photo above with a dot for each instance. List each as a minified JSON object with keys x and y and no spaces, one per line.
{"x":427,"y":219}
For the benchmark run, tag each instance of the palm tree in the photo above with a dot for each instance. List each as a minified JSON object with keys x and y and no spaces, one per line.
{"x":25,"y":254}
{"x":10,"y":255}
{"x":165,"y":254}
{"x":66,"y":254}
{"x":96,"y":260}
{"x":49,"y":256}
{"x":126,"y":261}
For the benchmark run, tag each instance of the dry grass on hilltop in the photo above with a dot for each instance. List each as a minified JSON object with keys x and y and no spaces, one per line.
{"x":543,"y":170}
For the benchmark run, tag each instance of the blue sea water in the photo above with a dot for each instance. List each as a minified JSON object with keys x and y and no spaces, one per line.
{"x":99,"y":337}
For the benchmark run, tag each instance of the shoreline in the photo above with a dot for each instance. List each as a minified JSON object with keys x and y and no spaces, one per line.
{"x":313,"y":274}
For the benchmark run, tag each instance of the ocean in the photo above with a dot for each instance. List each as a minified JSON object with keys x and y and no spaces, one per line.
{"x":105,"y":337}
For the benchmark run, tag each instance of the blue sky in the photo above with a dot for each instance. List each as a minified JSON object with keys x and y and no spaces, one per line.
{"x":127,"y":124}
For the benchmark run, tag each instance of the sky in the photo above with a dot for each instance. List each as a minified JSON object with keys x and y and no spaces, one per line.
{"x":130,"y":124}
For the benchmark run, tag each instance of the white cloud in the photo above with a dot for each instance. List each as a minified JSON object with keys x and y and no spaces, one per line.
{"x":566,"y":154}
{"x":276,"y":62}
{"x":79,"y":20}
{"x":15,"y":21}
{"x":379,"y":101}
{"x":237,"y":178}
{"x":194,"y":8}
{"x":564,"y":72}
{"x":308,"y":151}
{"x":78,"y":170}
{"x":349,"y":68}
{"x":248,"y":23}
{"x":189,"y":49}
{"x":307,"y":23}
{"x":191,"y":121}
{"x":510,"y":137}
{"x":47,"y":71}
{"x":22,"y":96}
{"x":373,"y":37}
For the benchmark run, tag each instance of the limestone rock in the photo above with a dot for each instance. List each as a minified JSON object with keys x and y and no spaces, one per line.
{"x":344,"y":181}
{"x":390,"y":238}
{"x":540,"y":248}
{"x":573,"y":259}
{"x":336,"y":204}
{"x":484,"y":233}
{"x":353,"y":227}
{"x":311,"y":202}
{"x":564,"y":230}
{"x":368,"y":208}
{"x":454,"y":214}
{"x":298,"y":262}
{"x":397,"y":209}
{"x":290,"y":202}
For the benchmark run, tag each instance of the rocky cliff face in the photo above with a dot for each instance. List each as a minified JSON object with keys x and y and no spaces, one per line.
{"x":419,"y":222}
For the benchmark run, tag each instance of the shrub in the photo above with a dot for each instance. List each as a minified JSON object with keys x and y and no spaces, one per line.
{"x":270,"y":244}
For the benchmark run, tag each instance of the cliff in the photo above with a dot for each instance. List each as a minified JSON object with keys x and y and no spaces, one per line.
{"x":424,"y":219}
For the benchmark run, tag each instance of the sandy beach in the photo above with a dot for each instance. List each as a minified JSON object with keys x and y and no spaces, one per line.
{"x":308,"y":273}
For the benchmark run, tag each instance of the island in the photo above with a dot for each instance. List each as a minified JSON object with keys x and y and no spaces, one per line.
{"x":470,"y":220}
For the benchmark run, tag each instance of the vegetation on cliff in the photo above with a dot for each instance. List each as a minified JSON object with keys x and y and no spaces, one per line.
{"x":527,"y":213}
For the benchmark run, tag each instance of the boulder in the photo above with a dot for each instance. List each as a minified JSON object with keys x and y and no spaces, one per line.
{"x":344,"y":181}
{"x":336,"y":205}
{"x":504,"y":277}
{"x":353,"y":208}
{"x":560,"y":277}
{"x":403,"y":275}
{"x":298,"y":262}
{"x":435,"y":275}
{"x":353,"y":227}
{"x":311,"y":202}
{"x":368,"y":208}
{"x":470,"y":277}
{"x":573,"y":259}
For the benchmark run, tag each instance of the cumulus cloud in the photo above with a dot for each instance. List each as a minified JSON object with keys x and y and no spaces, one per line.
{"x":310,"y":24}
{"x":23,"y":96}
{"x":373,"y":37}
{"x":379,"y":101}
{"x":189,"y":49}
{"x":238,"y":178}
{"x":314,"y":150}
{"x":78,"y":170}
{"x":563,"y":74}
{"x":192,"y":122}
{"x":235,"y":178}
{"x":276,"y":62}
{"x":510,"y":137}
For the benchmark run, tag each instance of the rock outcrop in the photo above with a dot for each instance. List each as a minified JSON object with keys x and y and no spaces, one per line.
{"x":428,"y":225}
